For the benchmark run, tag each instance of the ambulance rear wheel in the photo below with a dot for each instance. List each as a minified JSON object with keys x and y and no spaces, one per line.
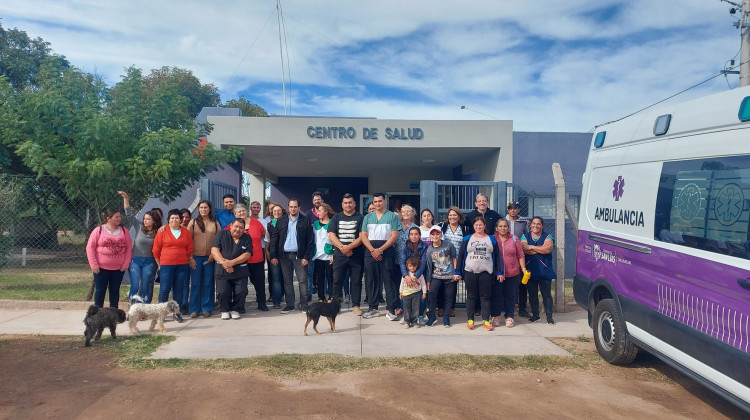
{"x":611,"y":336}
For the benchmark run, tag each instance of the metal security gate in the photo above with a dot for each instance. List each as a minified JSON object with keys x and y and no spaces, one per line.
{"x":214,"y":191}
{"x":439,"y":196}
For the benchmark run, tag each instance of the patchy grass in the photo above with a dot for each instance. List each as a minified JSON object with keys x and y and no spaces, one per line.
{"x":36,"y":287}
{"x":131,"y":353}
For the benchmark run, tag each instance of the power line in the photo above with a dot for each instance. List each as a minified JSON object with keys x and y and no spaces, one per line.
{"x":252,"y":45}
{"x":667,"y":98}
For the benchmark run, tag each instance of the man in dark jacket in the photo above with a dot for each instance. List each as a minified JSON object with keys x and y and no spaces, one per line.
{"x":482,"y":209}
{"x":291,"y":247}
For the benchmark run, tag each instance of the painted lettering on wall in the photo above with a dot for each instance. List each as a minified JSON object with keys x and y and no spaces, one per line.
{"x":368,"y":133}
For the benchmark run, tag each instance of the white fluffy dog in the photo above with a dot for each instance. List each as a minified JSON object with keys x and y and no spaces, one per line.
{"x":156,"y":312}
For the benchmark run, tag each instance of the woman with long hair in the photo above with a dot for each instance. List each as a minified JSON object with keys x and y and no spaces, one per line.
{"x":186,"y":217}
{"x":109,"y":251}
{"x":454,"y":229}
{"x":202,"y":287}
{"x":414,"y":247}
{"x":479,"y":264}
{"x":274,"y":271}
{"x":538,"y":246}
{"x":514,"y":264}
{"x":142,"y":265}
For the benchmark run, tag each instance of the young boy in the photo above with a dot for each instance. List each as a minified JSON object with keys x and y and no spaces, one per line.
{"x":410,"y":293}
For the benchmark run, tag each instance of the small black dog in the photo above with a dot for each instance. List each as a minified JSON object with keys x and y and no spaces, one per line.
{"x":97,"y":319}
{"x":327,"y":309}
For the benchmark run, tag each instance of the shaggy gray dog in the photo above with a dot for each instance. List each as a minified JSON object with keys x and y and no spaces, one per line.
{"x":97,"y":319}
{"x":156,"y":312}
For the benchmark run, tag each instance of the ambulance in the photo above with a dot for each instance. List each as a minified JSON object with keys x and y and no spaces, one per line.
{"x":663,"y":254}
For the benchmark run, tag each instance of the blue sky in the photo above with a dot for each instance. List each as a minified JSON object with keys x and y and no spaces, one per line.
{"x":546,"y":65}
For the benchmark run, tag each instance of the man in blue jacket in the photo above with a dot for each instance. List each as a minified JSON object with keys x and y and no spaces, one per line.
{"x":291,"y":247}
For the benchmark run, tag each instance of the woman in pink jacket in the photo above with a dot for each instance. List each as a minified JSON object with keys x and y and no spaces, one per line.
{"x":504,"y":292}
{"x":109,"y":251}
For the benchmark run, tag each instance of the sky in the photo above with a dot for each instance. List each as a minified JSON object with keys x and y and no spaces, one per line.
{"x":546,"y":65}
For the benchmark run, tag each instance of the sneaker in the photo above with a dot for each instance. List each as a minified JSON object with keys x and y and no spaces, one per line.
{"x":470,"y":324}
{"x":488,"y":326}
{"x":206,"y":314}
{"x":347,"y":299}
{"x":447,"y":325}
{"x":287,"y":309}
{"x":356,"y":311}
{"x":534,"y":318}
{"x":524,"y":314}
{"x":391,"y":317}
{"x":420,"y":321}
{"x":509,"y":323}
{"x":235,"y":315}
{"x":372,"y":313}
{"x":495,"y":321}
{"x":550,"y":320}
{"x":430,"y":321}
{"x":178,"y":317}
{"x":263,"y":308}
{"x":407,"y":326}
{"x":193,"y":315}
{"x":276,"y":306}
{"x":225,"y":315}
{"x":403,"y":320}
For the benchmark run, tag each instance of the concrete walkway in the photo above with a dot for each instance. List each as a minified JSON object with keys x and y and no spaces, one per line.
{"x":263,"y":333}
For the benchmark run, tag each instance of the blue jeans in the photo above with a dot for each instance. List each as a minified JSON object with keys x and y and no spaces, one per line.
{"x":277,"y":286}
{"x":141,"y":272}
{"x":107,"y":280}
{"x":310,"y":278}
{"x":173,"y":278}
{"x":202,"y":285}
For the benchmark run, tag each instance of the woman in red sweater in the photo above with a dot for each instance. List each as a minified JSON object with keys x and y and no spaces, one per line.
{"x":109,"y":250}
{"x":173,"y":251}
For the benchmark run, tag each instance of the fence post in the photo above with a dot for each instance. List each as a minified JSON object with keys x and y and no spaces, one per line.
{"x":559,"y":236}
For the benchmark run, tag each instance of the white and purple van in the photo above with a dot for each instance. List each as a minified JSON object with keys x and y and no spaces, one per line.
{"x":663,"y":257}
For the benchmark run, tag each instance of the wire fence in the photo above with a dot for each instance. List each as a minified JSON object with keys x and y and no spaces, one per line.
{"x":44,"y":232}
{"x":42,"y":226}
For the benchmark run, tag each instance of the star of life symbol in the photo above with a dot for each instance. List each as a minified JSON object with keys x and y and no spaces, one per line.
{"x":619,"y":187}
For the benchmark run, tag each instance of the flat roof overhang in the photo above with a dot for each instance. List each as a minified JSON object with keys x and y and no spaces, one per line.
{"x":315,"y":161}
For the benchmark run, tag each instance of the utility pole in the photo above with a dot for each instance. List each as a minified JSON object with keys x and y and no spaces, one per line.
{"x":281,"y":52}
{"x":743,"y":24}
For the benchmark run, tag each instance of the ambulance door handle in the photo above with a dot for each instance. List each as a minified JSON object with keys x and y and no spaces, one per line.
{"x":744,"y":284}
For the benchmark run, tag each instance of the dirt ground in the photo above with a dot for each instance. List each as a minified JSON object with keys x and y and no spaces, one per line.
{"x":53,"y":377}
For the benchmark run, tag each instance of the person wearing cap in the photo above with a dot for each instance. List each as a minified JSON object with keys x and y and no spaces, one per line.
{"x":440,"y":274}
{"x":517,"y":225}
{"x":482,"y":210}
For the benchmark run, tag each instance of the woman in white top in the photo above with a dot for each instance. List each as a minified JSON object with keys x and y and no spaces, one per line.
{"x":323,"y":257}
{"x":428,"y":221}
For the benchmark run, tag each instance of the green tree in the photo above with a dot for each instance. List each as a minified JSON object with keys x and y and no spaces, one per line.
{"x":186,"y":85}
{"x":95,"y":140}
{"x":248,"y":108}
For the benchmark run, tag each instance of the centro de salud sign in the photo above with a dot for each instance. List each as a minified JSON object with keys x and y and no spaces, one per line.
{"x":368,"y":133}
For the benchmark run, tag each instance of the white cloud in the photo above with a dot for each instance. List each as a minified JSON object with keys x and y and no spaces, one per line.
{"x":548,"y":65}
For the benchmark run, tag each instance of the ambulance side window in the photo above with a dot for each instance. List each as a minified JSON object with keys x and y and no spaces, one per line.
{"x":705,"y":204}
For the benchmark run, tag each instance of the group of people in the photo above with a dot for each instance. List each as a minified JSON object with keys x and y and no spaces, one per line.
{"x":417,"y":266}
